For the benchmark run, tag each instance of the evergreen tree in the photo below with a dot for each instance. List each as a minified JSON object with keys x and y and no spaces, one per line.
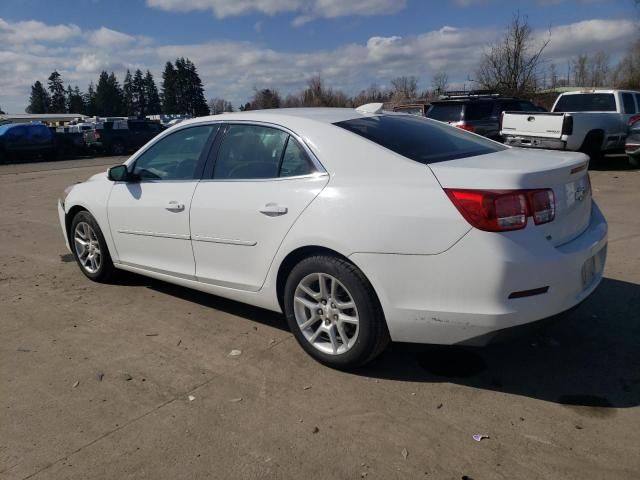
{"x":139,"y":94}
{"x":75,"y":100}
{"x":151,"y":93}
{"x":90,"y":101}
{"x":109,"y":96}
{"x":38,"y":100}
{"x":190,"y":91}
{"x":169,"y":89}
{"x":128,"y":94}
{"x":58,"y":96}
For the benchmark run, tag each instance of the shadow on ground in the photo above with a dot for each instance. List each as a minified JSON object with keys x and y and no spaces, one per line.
{"x":613,"y":164}
{"x":588,"y":361}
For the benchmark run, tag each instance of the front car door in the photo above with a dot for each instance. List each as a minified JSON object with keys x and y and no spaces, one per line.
{"x":262,"y":179}
{"x":149,"y":217}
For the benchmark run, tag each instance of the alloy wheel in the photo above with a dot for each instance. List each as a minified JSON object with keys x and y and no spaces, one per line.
{"x":326,"y":313}
{"x":87,"y":247}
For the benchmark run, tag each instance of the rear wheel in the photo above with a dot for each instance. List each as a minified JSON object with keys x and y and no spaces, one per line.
{"x":592,"y":147}
{"x":333,"y":312}
{"x":89,"y":248}
{"x":634,"y":161}
{"x":118,"y":148}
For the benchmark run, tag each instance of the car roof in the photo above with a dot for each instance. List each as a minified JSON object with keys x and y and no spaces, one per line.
{"x":598,"y":90}
{"x":327,"y":115}
{"x":7,"y":126}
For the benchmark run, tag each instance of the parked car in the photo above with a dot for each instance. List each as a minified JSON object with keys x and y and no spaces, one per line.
{"x":632,"y":143}
{"x":360,"y":225}
{"x":476,"y":111}
{"x":22,"y":141}
{"x":68,"y":144}
{"x":594,"y":122}
{"x":418,"y":108}
{"x":120,"y":137}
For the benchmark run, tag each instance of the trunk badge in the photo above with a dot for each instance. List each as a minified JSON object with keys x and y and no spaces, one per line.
{"x":580,"y":193}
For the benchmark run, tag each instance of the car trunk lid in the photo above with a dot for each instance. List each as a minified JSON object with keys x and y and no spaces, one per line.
{"x":520,"y":169}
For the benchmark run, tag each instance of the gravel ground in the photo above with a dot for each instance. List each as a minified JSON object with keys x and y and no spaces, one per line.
{"x":135,"y":380}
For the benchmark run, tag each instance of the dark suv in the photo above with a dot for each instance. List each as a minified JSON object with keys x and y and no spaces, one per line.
{"x":477,"y":112}
{"x":123,"y":137}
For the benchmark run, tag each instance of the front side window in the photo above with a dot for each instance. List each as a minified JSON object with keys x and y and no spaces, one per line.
{"x":420,"y":139}
{"x":175,"y":157}
{"x":250,"y":152}
{"x":586,"y":102}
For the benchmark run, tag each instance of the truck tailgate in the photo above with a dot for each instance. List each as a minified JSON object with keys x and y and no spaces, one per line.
{"x":532,"y":124}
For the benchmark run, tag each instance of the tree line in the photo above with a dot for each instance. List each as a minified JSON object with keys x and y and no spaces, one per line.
{"x":181,"y":92}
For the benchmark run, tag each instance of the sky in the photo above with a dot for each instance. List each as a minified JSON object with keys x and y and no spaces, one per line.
{"x":240,"y":45}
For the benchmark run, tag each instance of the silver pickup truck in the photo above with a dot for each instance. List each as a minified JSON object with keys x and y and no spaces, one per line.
{"x":594,"y":122}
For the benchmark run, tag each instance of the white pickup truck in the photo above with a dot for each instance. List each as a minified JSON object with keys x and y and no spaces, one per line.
{"x":594,"y":122}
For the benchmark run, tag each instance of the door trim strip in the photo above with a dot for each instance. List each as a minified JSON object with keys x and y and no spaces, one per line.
{"x":227,"y":241}
{"x":176,"y":236}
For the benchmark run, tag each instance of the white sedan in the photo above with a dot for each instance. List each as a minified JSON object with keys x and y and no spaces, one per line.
{"x":362,"y":226}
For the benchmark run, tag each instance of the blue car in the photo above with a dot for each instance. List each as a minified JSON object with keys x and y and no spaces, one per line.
{"x":22,"y":141}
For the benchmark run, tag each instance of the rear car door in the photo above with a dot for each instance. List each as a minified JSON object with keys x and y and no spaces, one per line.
{"x":149,"y":217}
{"x":262,"y":178}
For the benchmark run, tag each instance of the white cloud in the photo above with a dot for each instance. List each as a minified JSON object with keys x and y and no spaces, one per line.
{"x":232,"y":69}
{"x":33,"y":31}
{"x":107,"y":38}
{"x":307,"y":10}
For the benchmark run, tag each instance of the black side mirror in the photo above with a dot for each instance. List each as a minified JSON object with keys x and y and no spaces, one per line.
{"x":119,"y":173}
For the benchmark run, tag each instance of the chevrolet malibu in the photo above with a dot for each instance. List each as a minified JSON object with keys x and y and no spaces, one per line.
{"x":362,"y":226}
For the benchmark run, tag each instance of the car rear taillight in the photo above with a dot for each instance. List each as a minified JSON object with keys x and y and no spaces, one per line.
{"x":542,"y":204}
{"x":567,"y":125}
{"x":96,"y":134}
{"x":502,"y":211}
{"x":464,"y":126}
{"x":634,"y":119}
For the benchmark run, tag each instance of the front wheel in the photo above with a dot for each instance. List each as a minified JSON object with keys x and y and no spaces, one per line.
{"x":89,"y":248}
{"x":333,"y":312}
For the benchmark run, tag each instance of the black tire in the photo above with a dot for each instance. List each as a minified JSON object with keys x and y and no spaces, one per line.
{"x":106,"y":270}
{"x":634,"y":161}
{"x":372,"y":337}
{"x":118,"y":148}
{"x":592,"y":147}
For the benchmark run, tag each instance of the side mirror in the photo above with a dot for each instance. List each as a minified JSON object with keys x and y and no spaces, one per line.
{"x":119,"y":173}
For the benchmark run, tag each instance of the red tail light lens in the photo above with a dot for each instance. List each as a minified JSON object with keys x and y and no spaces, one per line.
{"x":502,"y":211}
{"x":633,"y":119}
{"x":543,"y":205}
{"x":464,"y":126}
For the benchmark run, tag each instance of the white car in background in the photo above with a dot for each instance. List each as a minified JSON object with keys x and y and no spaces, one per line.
{"x":361,"y":226}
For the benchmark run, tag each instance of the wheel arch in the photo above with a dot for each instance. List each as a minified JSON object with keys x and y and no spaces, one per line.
{"x":69,"y":216}
{"x":591,"y":137}
{"x":299,"y":254}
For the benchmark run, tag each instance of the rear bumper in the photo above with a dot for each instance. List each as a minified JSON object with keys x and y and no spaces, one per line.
{"x":535,"y":142}
{"x":462,"y":295}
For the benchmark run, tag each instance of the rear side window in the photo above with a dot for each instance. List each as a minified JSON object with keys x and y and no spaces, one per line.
{"x":420,"y":139}
{"x":586,"y":102}
{"x":478,"y":111}
{"x":628,"y":103}
{"x":446,"y":112}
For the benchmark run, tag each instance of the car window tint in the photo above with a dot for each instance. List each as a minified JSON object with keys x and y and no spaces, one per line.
{"x":295,"y":161}
{"x":419,"y":139}
{"x":628,"y":103}
{"x":17,"y":132}
{"x":446,"y":112}
{"x":174,"y":157}
{"x":249,"y":152}
{"x":587,"y":102}
{"x":478,"y":111}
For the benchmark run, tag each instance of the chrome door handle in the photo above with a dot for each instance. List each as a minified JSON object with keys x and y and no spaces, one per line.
{"x":174,"y":206}
{"x":273,"y":210}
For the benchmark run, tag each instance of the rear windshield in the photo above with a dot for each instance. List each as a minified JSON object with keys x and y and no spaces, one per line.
{"x":586,"y":102}
{"x":478,"y":111}
{"x":420,"y":139}
{"x":446,"y":112}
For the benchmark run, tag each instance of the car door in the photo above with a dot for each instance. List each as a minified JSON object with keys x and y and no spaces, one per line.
{"x":262,"y":179}
{"x":149,"y":217}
